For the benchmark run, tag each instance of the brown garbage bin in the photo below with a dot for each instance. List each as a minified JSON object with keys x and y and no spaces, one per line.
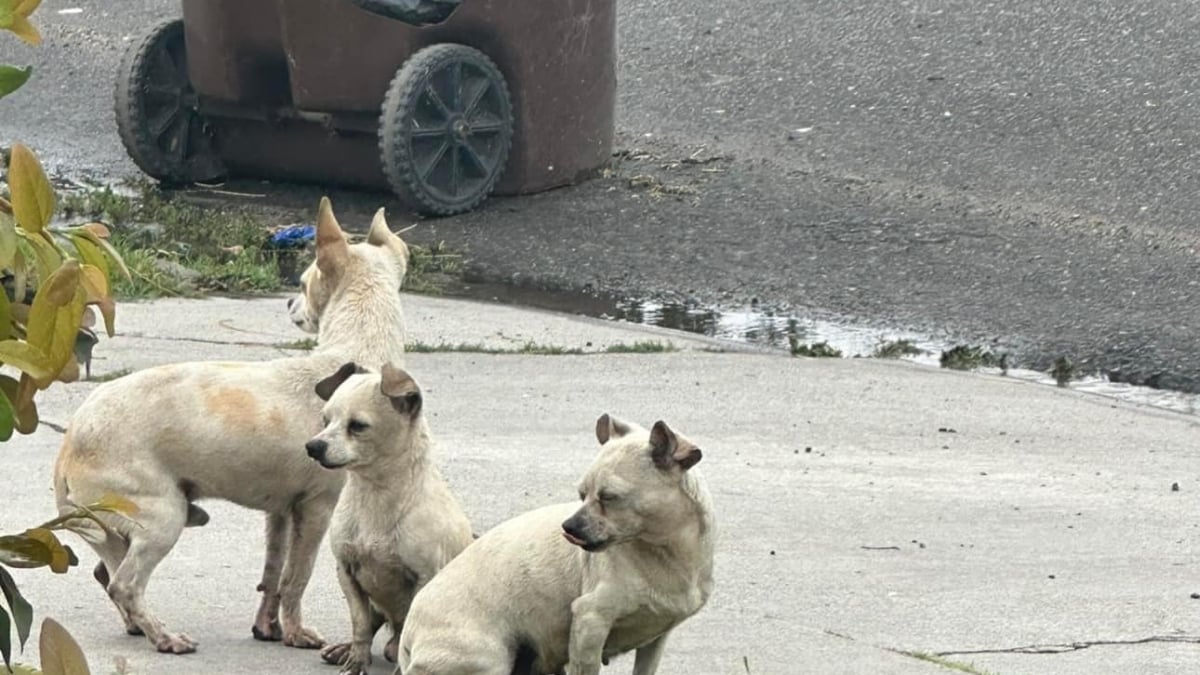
{"x":511,"y":96}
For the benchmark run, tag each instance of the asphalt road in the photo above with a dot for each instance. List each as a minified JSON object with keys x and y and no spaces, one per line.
{"x":1014,"y":170}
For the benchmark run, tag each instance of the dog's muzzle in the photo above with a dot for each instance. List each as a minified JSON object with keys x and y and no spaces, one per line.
{"x":575,"y":531}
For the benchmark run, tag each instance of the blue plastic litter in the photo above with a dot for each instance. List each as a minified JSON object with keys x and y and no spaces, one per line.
{"x":295,"y":236}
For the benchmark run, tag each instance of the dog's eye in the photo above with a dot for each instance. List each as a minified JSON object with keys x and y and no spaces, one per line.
{"x":608,"y":497}
{"x":357,"y":426}
{"x":325,"y":421}
{"x":583,"y":495}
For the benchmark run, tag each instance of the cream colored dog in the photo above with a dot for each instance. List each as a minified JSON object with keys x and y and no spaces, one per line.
{"x":396,"y":523}
{"x":167,"y":436}
{"x":521,"y":601}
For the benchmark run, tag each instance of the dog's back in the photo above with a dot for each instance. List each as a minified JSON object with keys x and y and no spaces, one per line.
{"x":523,"y":563}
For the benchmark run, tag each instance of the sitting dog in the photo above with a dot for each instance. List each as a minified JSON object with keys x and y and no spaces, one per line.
{"x":396,"y":523}
{"x":521,"y":601}
{"x":167,"y":436}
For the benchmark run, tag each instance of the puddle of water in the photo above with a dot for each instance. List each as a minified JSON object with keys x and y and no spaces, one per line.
{"x":771,"y":328}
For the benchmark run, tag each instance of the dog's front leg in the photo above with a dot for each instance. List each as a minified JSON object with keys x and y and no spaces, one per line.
{"x":309,"y":519}
{"x":266,"y":621}
{"x":590,"y":624}
{"x":649,"y":655}
{"x":356,"y":656}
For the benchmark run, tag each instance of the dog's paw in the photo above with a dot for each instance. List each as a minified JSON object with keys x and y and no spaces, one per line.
{"x":355,"y":667}
{"x":134,"y":629}
{"x":269,"y":631}
{"x":336,"y":654}
{"x":303,"y":638}
{"x":175,"y":644}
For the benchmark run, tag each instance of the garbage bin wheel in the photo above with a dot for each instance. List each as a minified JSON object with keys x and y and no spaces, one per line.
{"x":446,"y":129}
{"x":157,"y":114}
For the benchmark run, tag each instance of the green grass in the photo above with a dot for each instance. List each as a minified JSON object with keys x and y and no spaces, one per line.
{"x":641,"y":347}
{"x":1063,"y":371}
{"x":534,"y":348}
{"x":815,"y":350}
{"x":303,"y":344}
{"x":109,"y":377}
{"x":478,"y":348}
{"x":944,"y":662}
{"x":224,"y":245}
{"x":428,"y":267}
{"x":894,"y":349}
{"x":970,"y":357}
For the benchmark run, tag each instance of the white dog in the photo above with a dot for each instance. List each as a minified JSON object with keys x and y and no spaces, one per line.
{"x":396,"y":523}
{"x":522,"y":601}
{"x":167,"y":436}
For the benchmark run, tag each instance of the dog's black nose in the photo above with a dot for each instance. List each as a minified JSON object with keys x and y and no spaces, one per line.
{"x":573,"y":526}
{"x":316,"y":448}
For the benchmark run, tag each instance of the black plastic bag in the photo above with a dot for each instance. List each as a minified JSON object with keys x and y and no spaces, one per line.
{"x":415,"y":12}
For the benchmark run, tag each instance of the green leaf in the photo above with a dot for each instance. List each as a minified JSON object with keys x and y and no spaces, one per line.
{"x":32,"y":195}
{"x":25,"y":30}
{"x":11,"y":78}
{"x":116,"y":504}
{"x":60,"y":559}
{"x":6,"y":318}
{"x":8,"y":419}
{"x":89,"y":252}
{"x":5,"y":639}
{"x":27,"y":358}
{"x":17,"y":550}
{"x":27,"y":412}
{"x":45,"y":256}
{"x":61,"y":655}
{"x":22,"y":612}
{"x":103,"y":243}
{"x":8,"y":239}
{"x":60,"y":289}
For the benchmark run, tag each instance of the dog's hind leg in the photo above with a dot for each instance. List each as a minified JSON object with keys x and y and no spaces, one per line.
{"x":310,"y":519}
{"x":162,"y":520}
{"x":266,"y":621}
{"x":112,"y":551}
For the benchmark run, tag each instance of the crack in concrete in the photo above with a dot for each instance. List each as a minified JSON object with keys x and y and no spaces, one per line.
{"x":1065,"y":647}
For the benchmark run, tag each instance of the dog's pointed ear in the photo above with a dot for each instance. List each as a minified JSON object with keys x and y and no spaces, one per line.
{"x":327,"y":386}
{"x":381,"y":235}
{"x":332,"y":247}
{"x":401,"y":389}
{"x":669,"y":449}
{"x":608,"y":427}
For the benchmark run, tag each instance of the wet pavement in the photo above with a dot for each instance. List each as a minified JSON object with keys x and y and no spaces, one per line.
{"x":1010,"y":174}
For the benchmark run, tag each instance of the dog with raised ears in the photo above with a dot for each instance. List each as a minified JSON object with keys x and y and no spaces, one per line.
{"x":168,"y":436}
{"x":397,"y":522}
{"x":564,"y":588}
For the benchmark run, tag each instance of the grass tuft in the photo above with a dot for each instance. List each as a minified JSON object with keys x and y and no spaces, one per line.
{"x":970,"y":357}
{"x":894,"y":349}
{"x":815,"y":350}
{"x":642,"y":347}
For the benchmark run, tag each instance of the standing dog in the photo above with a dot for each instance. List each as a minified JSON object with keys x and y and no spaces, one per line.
{"x":167,"y":436}
{"x":396,"y":523}
{"x":521,"y":601}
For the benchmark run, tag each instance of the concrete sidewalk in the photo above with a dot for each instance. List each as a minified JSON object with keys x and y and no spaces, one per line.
{"x":864,"y":506}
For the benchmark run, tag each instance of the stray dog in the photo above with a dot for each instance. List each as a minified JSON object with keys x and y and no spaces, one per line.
{"x":396,"y":523}
{"x":167,"y":436}
{"x":521,"y":601}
